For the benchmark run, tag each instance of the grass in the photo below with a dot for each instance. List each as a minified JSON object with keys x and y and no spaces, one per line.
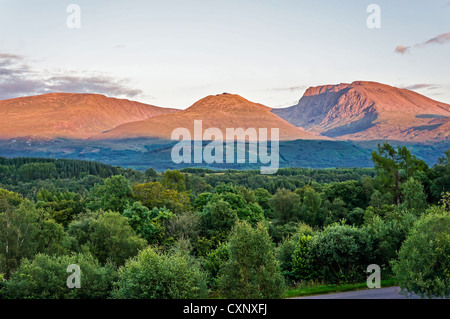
{"x":317,"y":289}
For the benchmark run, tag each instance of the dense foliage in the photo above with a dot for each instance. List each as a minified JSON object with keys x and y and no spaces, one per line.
{"x":199,"y":233}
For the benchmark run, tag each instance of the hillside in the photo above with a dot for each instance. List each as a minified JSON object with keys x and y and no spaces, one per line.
{"x":369,"y":111}
{"x":69,"y":115}
{"x":216,"y":111}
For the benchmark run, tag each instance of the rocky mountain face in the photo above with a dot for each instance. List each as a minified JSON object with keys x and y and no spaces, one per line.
{"x":369,"y":111}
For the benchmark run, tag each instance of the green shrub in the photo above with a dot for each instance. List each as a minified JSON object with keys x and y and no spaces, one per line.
{"x":45,"y":277}
{"x":423,"y":266}
{"x":301,"y":262}
{"x":107,"y":235}
{"x":341,"y":253}
{"x":157,"y":275}
{"x":252,"y":270}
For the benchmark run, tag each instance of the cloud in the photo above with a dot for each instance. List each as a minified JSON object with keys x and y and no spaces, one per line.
{"x":90,"y":84}
{"x":291,"y":89}
{"x":19,"y":79}
{"x":440,"y":39}
{"x":401,"y":49}
{"x":420,"y":86}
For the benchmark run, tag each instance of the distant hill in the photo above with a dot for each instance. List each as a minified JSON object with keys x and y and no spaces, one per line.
{"x":141,"y":153}
{"x":216,"y":111}
{"x":69,"y":115}
{"x":369,"y":111}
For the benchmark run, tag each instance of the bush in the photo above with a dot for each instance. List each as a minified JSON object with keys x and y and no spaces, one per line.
{"x":301,"y":262}
{"x":341,"y":253}
{"x":285,"y":253}
{"x":214,"y":262}
{"x":252,"y":270}
{"x":156,"y":275}
{"x":423,"y":266}
{"x":107,"y":235}
{"x":387,"y":236}
{"x":150,"y":224}
{"x":24,"y":232}
{"x":45,"y":277}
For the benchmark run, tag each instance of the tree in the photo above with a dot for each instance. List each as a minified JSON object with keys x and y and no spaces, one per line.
{"x":423,"y":265}
{"x":61,"y":206}
{"x":285,"y":253}
{"x":153,"y":194}
{"x":393,"y":166}
{"x":9,"y":199}
{"x":340,"y":253}
{"x":310,"y":208}
{"x":337,"y":210}
{"x":414,"y":197}
{"x":351,"y":192}
{"x":214,"y":262}
{"x":157,"y":275}
{"x":252,"y":270}
{"x":286,"y":205}
{"x":218,"y":218}
{"x":34,"y":171}
{"x":45,"y":276}
{"x":150,"y":173}
{"x":440,"y":175}
{"x":377,"y":200}
{"x":252,"y":213}
{"x":150,"y":224}
{"x":262,"y":198}
{"x":107,"y":235}
{"x":114,"y":194}
{"x":387,"y":235}
{"x":174,"y":180}
{"x":24,"y":232}
{"x":301,"y":261}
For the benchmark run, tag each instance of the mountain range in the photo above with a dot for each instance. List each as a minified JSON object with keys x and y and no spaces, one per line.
{"x":357,"y":111}
{"x":331,"y":126}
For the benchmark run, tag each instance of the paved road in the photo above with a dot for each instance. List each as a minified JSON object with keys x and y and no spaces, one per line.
{"x":381,"y":293}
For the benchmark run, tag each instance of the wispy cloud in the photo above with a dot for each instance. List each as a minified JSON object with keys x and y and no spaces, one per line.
{"x":402,"y":49}
{"x":440,"y":39}
{"x":17,"y":79}
{"x":90,"y":84}
{"x":291,"y":88}
{"x":419,"y":86}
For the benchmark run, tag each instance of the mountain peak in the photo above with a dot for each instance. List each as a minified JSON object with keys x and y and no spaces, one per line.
{"x":226,"y":102}
{"x":366,"y":110}
{"x":220,"y":111}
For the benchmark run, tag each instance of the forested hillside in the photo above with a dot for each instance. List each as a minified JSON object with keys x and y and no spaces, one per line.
{"x":199,"y":233}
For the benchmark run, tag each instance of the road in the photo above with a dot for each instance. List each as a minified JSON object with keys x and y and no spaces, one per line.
{"x":381,"y":293}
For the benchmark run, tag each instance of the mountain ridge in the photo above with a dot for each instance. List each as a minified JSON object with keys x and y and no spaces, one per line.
{"x":364,"y":110}
{"x":69,"y":115}
{"x":220,"y":111}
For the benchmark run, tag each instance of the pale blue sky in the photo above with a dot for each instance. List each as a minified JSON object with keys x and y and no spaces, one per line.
{"x":172,"y":53}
